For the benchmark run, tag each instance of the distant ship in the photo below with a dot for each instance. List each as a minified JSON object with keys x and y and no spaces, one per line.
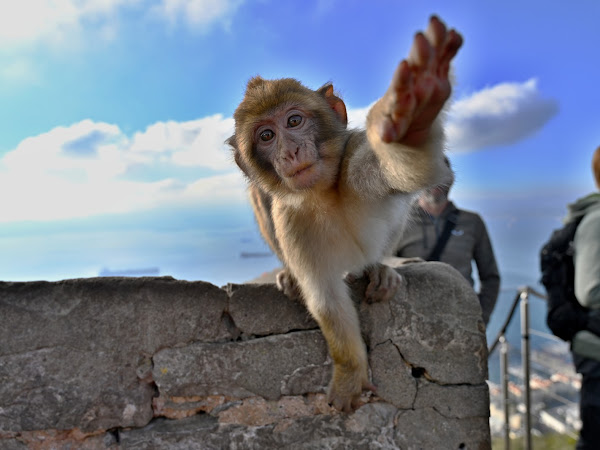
{"x":255,"y":254}
{"x":144,"y":272}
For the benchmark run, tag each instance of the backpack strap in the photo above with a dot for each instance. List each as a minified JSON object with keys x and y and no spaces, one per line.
{"x":443,"y":239}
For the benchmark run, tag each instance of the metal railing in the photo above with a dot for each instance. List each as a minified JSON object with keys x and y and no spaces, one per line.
{"x":522,"y":299}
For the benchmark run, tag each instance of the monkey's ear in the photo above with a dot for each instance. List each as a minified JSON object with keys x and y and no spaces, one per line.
{"x":336,"y":103}
{"x":237,"y":155}
{"x":232,"y":141}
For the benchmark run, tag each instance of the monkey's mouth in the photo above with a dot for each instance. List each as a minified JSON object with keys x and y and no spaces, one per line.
{"x":302,"y":170}
{"x":304,"y":176}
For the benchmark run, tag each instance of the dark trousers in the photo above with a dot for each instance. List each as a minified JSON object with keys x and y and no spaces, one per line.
{"x":589,"y":410}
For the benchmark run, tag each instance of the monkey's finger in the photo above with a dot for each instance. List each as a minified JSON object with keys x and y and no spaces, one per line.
{"x":423,"y":91}
{"x":391,"y":283}
{"x":344,"y":405}
{"x":348,"y":407}
{"x":436,"y":32}
{"x":402,"y":102}
{"x":421,"y":51}
{"x":370,"y":387}
{"x":351,"y":278}
{"x":374,"y":283}
{"x":402,"y":78}
{"x":450,"y":48}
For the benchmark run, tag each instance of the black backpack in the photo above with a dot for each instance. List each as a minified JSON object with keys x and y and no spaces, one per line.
{"x":565,"y":316}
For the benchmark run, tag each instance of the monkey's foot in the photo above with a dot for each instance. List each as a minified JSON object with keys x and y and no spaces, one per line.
{"x":420,"y":87}
{"x":346,"y":388}
{"x":384,"y":282}
{"x":287,"y":284}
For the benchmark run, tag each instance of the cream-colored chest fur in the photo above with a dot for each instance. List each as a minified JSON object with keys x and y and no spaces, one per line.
{"x":339,"y":237}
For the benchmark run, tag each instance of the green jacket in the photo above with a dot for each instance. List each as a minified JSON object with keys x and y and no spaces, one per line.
{"x":587,"y":250}
{"x":587,"y":277}
{"x":468,"y":241}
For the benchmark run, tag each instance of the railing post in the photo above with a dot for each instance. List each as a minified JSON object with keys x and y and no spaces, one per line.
{"x":505,"y":397}
{"x":525,"y":364}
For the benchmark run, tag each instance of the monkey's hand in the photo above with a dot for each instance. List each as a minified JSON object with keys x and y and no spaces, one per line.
{"x":346,"y":387}
{"x":383,"y":283}
{"x":287,"y":284}
{"x":419,"y":88}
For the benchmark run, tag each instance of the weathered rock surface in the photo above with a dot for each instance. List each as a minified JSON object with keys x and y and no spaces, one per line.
{"x":153,"y":363}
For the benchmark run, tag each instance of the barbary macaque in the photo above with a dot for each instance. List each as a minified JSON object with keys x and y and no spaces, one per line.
{"x":331,"y":201}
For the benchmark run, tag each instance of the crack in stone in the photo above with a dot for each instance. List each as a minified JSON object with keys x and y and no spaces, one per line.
{"x":38,"y":350}
{"x":418,"y":372}
{"x":230,"y":325}
{"x":448,"y":416}
{"x":116,"y":433}
{"x":249,"y":337}
{"x":390,"y":341}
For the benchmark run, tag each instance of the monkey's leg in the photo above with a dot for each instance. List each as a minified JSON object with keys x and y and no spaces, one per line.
{"x":336,"y":315}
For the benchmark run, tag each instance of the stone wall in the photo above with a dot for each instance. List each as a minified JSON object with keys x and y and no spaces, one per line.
{"x":156,"y":363}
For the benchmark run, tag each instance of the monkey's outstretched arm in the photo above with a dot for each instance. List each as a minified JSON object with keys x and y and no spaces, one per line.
{"x":404,"y":128}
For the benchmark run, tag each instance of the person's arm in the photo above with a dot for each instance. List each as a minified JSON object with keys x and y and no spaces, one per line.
{"x":587,"y":261}
{"x":487,"y":269}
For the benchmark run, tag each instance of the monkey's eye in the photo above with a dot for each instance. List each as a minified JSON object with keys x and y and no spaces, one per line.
{"x":294,"y":120}
{"x":267,"y":135}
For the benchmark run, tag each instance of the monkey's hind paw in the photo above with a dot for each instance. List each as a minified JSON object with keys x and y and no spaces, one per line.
{"x":346,"y":389}
{"x":384,"y":282}
{"x":349,"y":404}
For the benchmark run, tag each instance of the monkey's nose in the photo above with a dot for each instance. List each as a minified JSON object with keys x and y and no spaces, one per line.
{"x":292,"y":153}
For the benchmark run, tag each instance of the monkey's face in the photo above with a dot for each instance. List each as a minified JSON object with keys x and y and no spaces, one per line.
{"x":287,"y":142}
{"x":288,"y":137}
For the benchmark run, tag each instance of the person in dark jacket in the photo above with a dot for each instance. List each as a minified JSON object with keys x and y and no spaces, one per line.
{"x":585,"y":344}
{"x":467,"y":241}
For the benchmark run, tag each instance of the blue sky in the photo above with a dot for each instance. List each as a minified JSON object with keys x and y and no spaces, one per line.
{"x":113,"y":115}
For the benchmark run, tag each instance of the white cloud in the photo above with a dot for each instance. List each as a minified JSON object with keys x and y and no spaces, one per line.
{"x":82,"y":170}
{"x":86,"y":150}
{"x":51,"y":21}
{"x":64,"y":22}
{"x":198,"y":14}
{"x":194,"y":143}
{"x":357,"y":117}
{"x":500,"y":115}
